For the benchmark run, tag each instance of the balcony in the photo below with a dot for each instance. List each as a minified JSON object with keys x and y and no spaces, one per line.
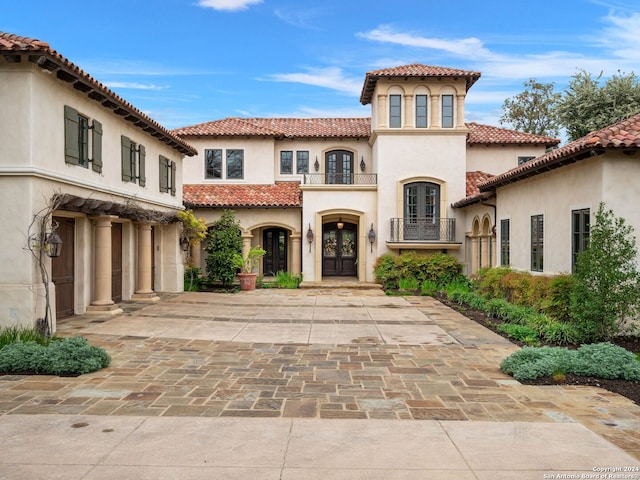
{"x":426,"y":233}
{"x":340,"y":179}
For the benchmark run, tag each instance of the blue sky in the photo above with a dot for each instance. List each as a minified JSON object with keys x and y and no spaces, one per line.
{"x":189,"y":61}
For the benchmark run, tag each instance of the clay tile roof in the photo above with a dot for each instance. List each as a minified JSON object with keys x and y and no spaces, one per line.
{"x":413,"y":70}
{"x":624,"y":135}
{"x":486,"y":134}
{"x":281,"y":128}
{"x":285,"y":194}
{"x":14,"y":46}
{"x":473,"y":193}
{"x":474,"y":179}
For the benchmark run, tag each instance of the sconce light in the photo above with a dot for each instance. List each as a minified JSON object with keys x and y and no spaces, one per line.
{"x":340,"y":224}
{"x":362,"y":164}
{"x":316,"y":165}
{"x":372,"y":237}
{"x":53,"y":244}
{"x":310,"y":236}
{"x":184,"y":243}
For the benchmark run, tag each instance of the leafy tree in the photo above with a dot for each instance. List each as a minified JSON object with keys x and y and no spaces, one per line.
{"x":532,"y":110}
{"x":605,"y":294}
{"x":587,"y":106}
{"x":224,"y":244}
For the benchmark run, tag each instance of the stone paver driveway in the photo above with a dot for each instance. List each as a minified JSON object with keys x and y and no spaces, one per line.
{"x":318,"y":353}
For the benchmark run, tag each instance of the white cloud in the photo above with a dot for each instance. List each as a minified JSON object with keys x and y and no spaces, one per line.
{"x":228,"y":5}
{"x":622,"y":36}
{"x":134,"y":86}
{"x":330,"y":77}
{"x":299,"y":18}
{"x":466,"y":47}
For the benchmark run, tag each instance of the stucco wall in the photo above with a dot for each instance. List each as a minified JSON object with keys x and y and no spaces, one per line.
{"x":554,"y":194}
{"x":496,"y":159}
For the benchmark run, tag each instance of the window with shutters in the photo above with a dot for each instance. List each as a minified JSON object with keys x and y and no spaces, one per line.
{"x":167,"y":176}
{"x":133,"y":162}
{"x":82,"y":140}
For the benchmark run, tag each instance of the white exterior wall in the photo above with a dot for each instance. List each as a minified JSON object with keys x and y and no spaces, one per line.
{"x":258,"y":159}
{"x":33,"y":169}
{"x":554,"y":194}
{"x":497,"y":159}
{"x":621,"y":189}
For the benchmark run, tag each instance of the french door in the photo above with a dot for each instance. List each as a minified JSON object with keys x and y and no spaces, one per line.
{"x":339,"y":250}
{"x":421,"y":211}
{"x":339,"y":167}
{"x":274,"y":241}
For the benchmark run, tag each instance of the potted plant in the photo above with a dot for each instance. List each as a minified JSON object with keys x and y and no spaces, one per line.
{"x":247,"y":264}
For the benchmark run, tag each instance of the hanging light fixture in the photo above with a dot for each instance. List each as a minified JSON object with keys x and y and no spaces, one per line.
{"x":340,"y":224}
{"x":372,"y":237}
{"x":310,"y":236}
{"x":53,"y":245}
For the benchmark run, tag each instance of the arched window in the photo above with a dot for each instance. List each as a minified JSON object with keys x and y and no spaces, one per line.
{"x":421,"y":211}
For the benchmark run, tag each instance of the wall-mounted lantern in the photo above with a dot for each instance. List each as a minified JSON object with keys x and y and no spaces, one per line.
{"x":371,"y":237}
{"x":310,"y":236}
{"x":362,"y":164}
{"x":53,"y":244}
{"x":316,"y":165}
{"x":340,"y":224}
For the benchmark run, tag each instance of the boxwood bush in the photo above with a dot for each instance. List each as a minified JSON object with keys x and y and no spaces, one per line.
{"x":439,"y":268}
{"x":64,"y":357}
{"x":601,"y":360}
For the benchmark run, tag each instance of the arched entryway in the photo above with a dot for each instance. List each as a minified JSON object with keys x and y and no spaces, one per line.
{"x":339,"y":249}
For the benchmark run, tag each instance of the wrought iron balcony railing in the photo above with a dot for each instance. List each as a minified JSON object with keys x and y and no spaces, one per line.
{"x":340,"y":178}
{"x":423,"y":229}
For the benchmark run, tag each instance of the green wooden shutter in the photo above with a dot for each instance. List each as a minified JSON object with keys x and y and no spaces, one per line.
{"x":142,"y":180}
{"x":96,"y":146}
{"x":164,"y":163}
{"x":173,"y":178}
{"x":71,"y":134}
{"x":127,"y":175}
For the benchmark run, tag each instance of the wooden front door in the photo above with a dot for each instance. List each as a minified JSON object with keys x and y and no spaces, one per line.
{"x":62,"y":268}
{"x":274,"y":242}
{"x":339,"y":250}
{"x":116,"y":262}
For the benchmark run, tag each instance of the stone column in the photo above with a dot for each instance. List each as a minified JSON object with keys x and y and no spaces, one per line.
{"x":102,"y":301}
{"x":383,"y":115}
{"x":474,"y":254}
{"x":436,"y":113}
{"x":296,"y":253}
{"x":143,"y":276}
{"x":196,"y":256}
{"x":409,"y":113}
{"x":460,"y":111}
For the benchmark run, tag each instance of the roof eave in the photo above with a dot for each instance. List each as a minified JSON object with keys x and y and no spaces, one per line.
{"x":53,"y":63}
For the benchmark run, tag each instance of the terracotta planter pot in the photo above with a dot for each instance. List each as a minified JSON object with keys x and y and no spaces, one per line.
{"x":247,"y":281}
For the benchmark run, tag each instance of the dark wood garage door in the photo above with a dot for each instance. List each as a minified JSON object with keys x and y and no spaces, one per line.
{"x":62,"y":268}
{"x":116,"y":262}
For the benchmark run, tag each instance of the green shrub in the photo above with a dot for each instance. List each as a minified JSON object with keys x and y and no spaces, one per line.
{"x":522,"y":333}
{"x":408,"y":284}
{"x":11,"y":335}
{"x":605,"y":360}
{"x":192,"y":279}
{"x":487,"y":281}
{"x":530,"y":363}
{"x":561,"y":333}
{"x":601,"y":360}
{"x":557,"y":302}
{"x":439,"y":268}
{"x":67,"y":356}
{"x":223,"y":245}
{"x":605,"y":293}
{"x":460,"y":285}
{"x":287,"y":280}
{"x":429,"y":288}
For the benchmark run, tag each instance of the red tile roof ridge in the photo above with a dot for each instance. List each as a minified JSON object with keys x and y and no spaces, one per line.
{"x":482,"y":134}
{"x":621,"y":135}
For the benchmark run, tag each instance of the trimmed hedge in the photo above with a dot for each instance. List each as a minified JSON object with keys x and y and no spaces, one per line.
{"x":438,"y":268}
